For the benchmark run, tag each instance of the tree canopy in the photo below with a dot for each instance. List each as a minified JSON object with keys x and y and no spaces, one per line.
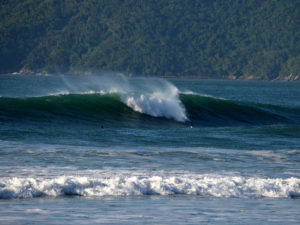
{"x":258,"y":38}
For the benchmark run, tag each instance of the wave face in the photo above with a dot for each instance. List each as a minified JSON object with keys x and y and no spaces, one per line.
{"x":211,"y":111}
{"x":146,"y":184}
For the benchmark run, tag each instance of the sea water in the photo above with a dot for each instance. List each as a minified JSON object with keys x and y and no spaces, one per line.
{"x":116,"y":150}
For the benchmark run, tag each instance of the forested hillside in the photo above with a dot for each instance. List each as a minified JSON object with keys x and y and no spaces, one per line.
{"x":232,"y":38}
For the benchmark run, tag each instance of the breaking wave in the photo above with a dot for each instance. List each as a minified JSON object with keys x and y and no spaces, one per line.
{"x":138,"y":185}
{"x":116,"y":103}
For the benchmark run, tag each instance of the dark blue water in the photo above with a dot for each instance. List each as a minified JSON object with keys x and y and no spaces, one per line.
{"x":94,"y":149}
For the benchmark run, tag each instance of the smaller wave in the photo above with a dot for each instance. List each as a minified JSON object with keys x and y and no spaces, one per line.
{"x":138,"y":185}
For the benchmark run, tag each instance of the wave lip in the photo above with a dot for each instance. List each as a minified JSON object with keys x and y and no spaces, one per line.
{"x":138,"y":185}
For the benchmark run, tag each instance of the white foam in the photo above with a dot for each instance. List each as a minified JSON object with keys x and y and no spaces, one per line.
{"x":157,"y":105}
{"x":122,"y":184}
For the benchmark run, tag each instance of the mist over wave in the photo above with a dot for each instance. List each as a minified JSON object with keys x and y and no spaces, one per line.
{"x":154,"y":97}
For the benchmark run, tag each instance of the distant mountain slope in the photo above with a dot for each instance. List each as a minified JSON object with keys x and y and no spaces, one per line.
{"x":257,"y":38}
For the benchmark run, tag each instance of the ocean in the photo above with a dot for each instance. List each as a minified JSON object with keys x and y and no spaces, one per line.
{"x":115,"y":150}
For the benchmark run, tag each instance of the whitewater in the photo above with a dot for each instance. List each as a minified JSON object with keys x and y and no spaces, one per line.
{"x":126,"y":184}
{"x":116,"y":150}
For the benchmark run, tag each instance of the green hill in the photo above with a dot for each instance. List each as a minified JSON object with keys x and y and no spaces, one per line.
{"x":236,"y":38}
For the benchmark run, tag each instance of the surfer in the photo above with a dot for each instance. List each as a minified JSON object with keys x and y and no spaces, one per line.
{"x":191,"y":125}
{"x":102,"y":126}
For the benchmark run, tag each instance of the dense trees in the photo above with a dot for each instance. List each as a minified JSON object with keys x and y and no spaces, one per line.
{"x":257,"y":38}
